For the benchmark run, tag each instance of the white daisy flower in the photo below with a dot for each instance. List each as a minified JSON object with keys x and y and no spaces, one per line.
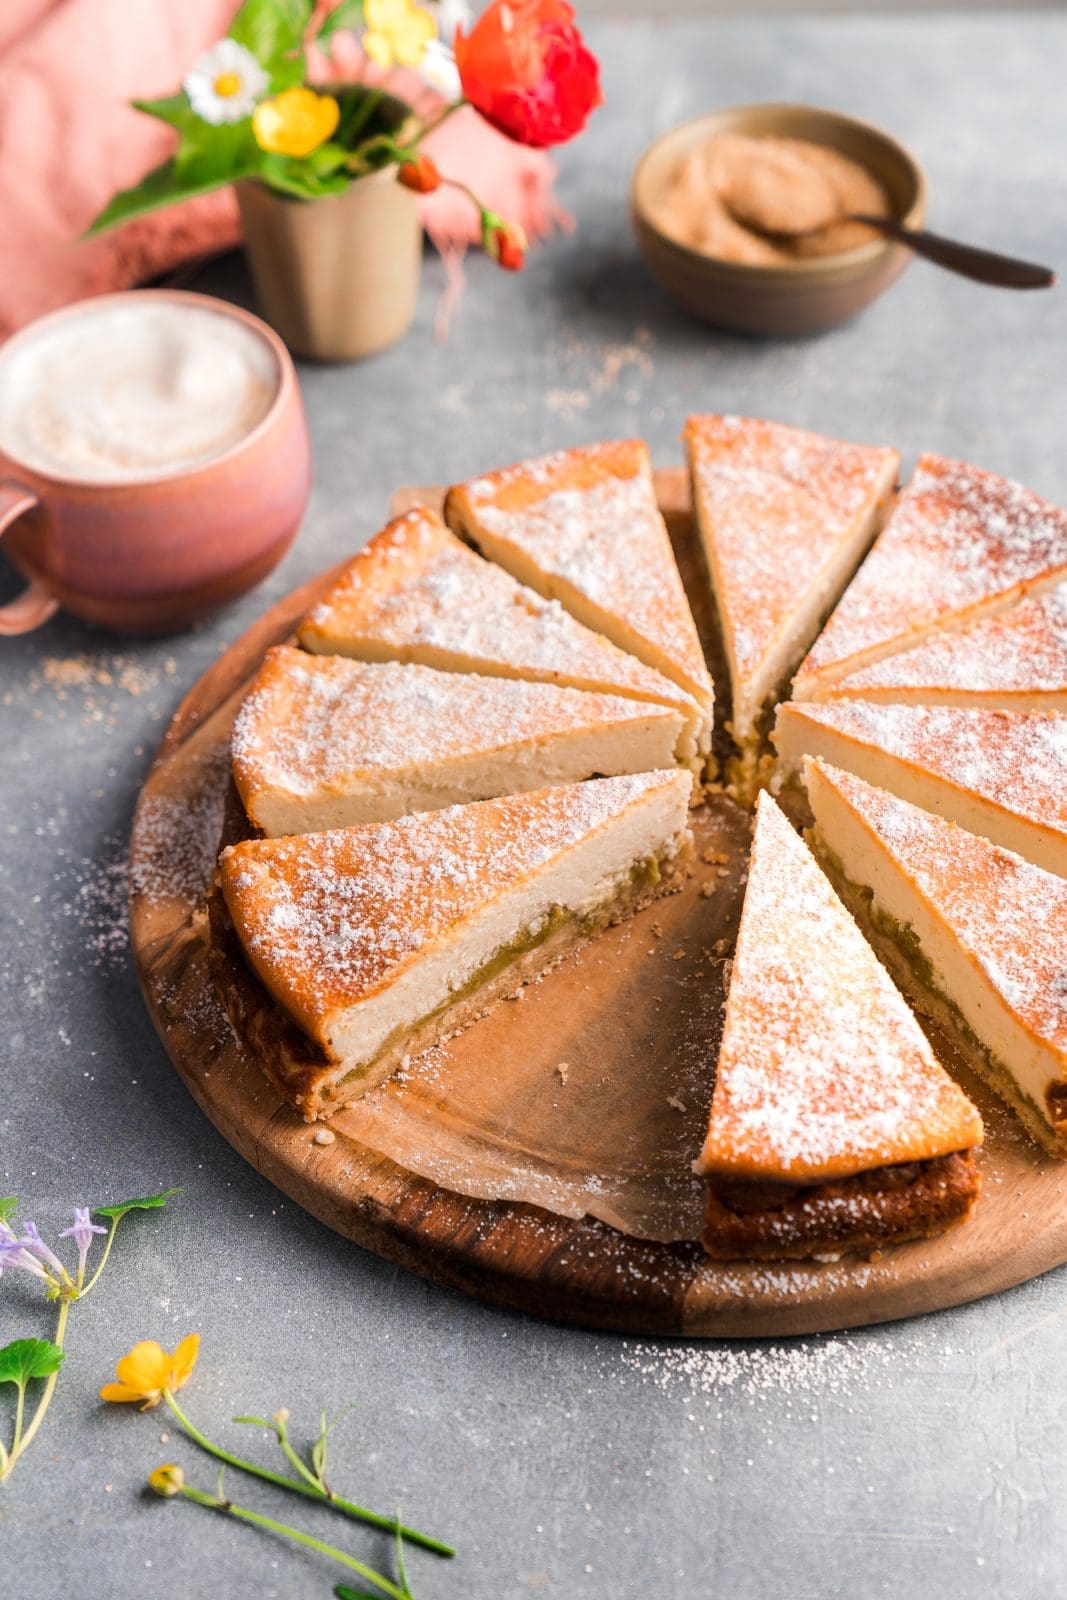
{"x":453,"y":14}
{"x":225,"y":83}
{"x":438,"y":70}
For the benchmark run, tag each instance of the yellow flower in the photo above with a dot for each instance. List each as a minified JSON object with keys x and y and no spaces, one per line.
{"x":166,"y":1480}
{"x":295,"y":122}
{"x":398,"y":32}
{"x":148,"y":1370}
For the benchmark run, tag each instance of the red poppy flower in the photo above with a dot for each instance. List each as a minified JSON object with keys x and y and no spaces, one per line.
{"x":526,"y":68}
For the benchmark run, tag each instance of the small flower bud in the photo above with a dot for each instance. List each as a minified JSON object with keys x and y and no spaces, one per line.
{"x":282,"y":1414}
{"x":504,"y":242}
{"x":167,"y":1480}
{"x":420,"y":174}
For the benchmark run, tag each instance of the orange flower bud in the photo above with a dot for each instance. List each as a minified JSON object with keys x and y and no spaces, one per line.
{"x":419,"y":174}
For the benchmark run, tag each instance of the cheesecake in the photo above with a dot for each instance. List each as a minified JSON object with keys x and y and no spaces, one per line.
{"x":785,"y":518}
{"x":340,"y":954}
{"x":975,"y":935}
{"x":325,"y":742}
{"x":1001,"y":774}
{"x":833,"y":1128}
{"x":960,"y":544}
{"x":1012,"y":661}
{"x":416,"y":593}
{"x":583,"y":527}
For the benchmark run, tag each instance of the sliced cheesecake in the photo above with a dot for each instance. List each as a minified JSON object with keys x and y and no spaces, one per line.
{"x":785,"y":517}
{"x":1012,"y":661}
{"x":324,"y":742}
{"x":339,"y":954}
{"x":583,"y":527}
{"x":961,"y":543}
{"x":833,"y":1128}
{"x":1001,"y":774}
{"x":976,"y":935}
{"x":417,"y":593}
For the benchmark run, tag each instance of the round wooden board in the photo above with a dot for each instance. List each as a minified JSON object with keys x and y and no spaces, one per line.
{"x":578,"y":1271}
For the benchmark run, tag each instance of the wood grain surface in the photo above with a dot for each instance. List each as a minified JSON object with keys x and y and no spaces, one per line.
{"x":572,"y":1269}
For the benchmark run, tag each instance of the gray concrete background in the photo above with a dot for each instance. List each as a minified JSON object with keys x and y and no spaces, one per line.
{"x":922,"y":1459}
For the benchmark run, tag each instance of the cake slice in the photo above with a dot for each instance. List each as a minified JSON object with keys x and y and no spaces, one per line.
{"x":339,"y":954}
{"x":976,"y":935}
{"x":583,"y":527}
{"x":785,"y":517}
{"x":961,"y":543}
{"x":1012,"y":661}
{"x":1001,"y":774}
{"x":417,"y":593}
{"x":832,"y":1126}
{"x":324,"y":742}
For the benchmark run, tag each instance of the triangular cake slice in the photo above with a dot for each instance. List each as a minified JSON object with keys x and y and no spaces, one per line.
{"x":1012,"y":661}
{"x":961,"y":543}
{"x":417,"y":593}
{"x":785,"y":517}
{"x":1002,"y":774}
{"x":833,"y":1128}
{"x":324,"y":742}
{"x":583,"y":527}
{"x":976,"y":935}
{"x":340,"y":953}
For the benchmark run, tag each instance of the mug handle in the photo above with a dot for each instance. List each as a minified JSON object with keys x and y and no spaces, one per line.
{"x":34,"y":605}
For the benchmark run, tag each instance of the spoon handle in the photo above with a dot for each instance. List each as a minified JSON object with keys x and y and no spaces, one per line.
{"x":984,"y":266}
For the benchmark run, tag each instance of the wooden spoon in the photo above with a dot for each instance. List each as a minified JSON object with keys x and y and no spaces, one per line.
{"x":780,"y":196}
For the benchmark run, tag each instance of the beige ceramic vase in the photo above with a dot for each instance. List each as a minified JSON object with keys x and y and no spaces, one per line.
{"x":338,"y":277}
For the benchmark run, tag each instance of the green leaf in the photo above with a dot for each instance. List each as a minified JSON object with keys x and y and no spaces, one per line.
{"x":343,"y":1592}
{"x":160,"y":187}
{"x":271,"y":28}
{"x":349,"y":15}
{"x":8,"y":1206}
{"x":289,"y":176}
{"x":208,"y":157}
{"x":255,"y":1422}
{"x":174,"y":110}
{"x":24,"y":1359}
{"x":149,"y":1202}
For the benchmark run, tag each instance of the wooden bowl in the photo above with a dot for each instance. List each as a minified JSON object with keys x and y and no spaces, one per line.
{"x":800,"y":297}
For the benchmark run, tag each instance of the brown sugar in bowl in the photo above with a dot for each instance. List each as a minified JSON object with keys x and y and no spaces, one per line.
{"x":793,"y":298}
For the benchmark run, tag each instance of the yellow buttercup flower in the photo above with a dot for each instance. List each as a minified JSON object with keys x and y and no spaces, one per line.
{"x":295,"y":122}
{"x":148,"y":1370}
{"x":398,"y":32}
{"x":167,"y":1480}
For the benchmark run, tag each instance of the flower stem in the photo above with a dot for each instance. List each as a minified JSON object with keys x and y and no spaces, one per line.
{"x":242,"y":1514}
{"x":360,"y":1513}
{"x":102,"y":1263}
{"x":435,"y":122}
{"x":22,"y":1441}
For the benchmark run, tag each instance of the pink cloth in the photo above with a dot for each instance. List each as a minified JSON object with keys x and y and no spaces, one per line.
{"x":68,"y":140}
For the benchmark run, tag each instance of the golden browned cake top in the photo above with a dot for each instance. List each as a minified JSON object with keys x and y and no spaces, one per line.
{"x":1015,"y":759}
{"x":1019,"y":651}
{"x":590,"y":516}
{"x":329,"y":919}
{"x":777,"y":503}
{"x":959,"y":539}
{"x":417,"y":588}
{"x":823,"y":1071}
{"x":1008,"y":916}
{"x":312,"y":724}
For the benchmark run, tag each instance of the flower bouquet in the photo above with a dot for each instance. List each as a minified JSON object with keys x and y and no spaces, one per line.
{"x":327,"y":175}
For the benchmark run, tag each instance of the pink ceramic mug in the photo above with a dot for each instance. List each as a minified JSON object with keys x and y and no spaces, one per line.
{"x":159,"y":552}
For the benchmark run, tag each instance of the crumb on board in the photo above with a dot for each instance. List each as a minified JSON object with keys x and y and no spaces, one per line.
{"x":679,"y":1105}
{"x":325,"y":1136}
{"x":564,"y":1070}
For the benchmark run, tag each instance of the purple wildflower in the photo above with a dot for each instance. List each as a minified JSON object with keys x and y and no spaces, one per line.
{"x":36,"y":1245}
{"x":13,"y":1253}
{"x":81,"y":1231}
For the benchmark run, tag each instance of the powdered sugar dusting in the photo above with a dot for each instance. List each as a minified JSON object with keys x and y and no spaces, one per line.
{"x":1009,"y":915}
{"x":589,"y":517}
{"x":823,"y":1069}
{"x":321,"y":724}
{"x":959,"y":538}
{"x":416,"y":589}
{"x":332,"y":915}
{"x":1016,"y":759}
{"x":1022,"y":651}
{"x":777,"y":504}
